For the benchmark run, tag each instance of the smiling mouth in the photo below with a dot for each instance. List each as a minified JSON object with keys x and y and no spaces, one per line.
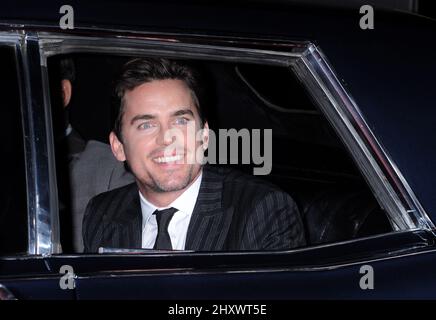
{"x":171,"y":159}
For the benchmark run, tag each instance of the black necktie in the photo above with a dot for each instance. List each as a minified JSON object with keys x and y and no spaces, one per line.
{"x":163,"y":217}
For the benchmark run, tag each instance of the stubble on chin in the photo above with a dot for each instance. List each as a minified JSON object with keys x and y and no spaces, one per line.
{"x":158,"y":186}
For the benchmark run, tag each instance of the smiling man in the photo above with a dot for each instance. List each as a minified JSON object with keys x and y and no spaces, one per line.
{"x":177,"y":203}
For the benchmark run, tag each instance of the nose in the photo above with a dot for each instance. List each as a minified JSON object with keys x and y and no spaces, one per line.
{"x":165,"y":137}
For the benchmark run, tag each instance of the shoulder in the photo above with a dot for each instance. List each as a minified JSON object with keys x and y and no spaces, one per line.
{"x":116,"y":195}
{"x":76,"y":143}
{"x":109,"y":204}
{"x":94,"y":147}
{"x":245,"y":186}
{"x":236,"y":178}
{"x":96,"y":157}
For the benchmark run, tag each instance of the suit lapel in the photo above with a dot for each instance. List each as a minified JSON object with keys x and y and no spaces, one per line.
{"x":210,"y":222}
{"x":207,"y":230}
{"x":125,"y":229}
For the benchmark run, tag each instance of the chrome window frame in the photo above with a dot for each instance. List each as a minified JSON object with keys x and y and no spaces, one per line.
{"x":304,"y":58}
{"x":15,"y":39}
{"x":383,"y":176}
{"x":42,"y":213}
{"x":42,"y":169}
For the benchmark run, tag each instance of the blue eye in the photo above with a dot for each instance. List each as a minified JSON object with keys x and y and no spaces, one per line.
{"x":182,"y":121}
{"x":145,"y":125}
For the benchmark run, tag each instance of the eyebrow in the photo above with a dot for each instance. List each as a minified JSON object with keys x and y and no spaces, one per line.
{"x":183,"y":112}
{"x":142,"y":117}
{"x":150,"y":116}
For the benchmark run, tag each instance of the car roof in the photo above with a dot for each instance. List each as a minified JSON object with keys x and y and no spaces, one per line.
{"x":257,"y":17}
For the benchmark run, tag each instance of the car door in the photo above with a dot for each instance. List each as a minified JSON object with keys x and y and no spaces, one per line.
{"x":322,"y":271}
{"x":389,"y":266}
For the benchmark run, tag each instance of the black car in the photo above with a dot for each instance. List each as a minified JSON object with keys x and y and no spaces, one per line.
{"x":351,"y":112}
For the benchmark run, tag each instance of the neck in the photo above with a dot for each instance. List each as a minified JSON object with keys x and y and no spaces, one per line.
{"x":163,"y":199}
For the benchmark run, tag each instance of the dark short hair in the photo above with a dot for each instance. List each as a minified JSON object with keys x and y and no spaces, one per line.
{"x":67,"y":70}
{"x":142,"y":70}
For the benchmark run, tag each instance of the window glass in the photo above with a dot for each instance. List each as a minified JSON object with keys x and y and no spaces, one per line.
{"x":303,"y":156}
{"x":13,"y":203}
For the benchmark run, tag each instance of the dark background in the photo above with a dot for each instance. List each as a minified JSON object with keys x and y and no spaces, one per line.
{"x":98,"y":10}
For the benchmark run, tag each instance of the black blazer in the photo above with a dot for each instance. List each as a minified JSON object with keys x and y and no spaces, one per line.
{"x":234,"y":211}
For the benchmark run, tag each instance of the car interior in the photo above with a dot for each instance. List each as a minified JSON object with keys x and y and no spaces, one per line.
{"x":309,"y":160}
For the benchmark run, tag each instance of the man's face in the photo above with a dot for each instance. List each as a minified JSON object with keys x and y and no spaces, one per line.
{"x":151,"y":110}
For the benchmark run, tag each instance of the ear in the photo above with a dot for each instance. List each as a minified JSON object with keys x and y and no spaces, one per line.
{"x":67,"y":90}
{"x":117,"y":147}
{"x":205,"y":137}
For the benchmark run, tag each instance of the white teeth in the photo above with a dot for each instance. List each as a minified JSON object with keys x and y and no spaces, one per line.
{"x":168,"y":159}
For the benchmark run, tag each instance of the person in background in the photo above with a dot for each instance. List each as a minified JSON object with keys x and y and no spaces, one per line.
{"x":91,"y":166}
{"x":74,"y":141}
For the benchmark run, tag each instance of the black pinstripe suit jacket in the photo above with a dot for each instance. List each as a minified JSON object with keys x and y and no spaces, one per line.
{"x":234,"y":211}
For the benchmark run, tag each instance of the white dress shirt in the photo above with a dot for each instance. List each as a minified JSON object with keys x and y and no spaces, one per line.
{"x":68,"y":130}
{"x":179,"y":223}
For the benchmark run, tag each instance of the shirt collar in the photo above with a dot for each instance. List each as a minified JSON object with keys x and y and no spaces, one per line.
{"x":68,"y":130}
{"x":184,"y":203}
